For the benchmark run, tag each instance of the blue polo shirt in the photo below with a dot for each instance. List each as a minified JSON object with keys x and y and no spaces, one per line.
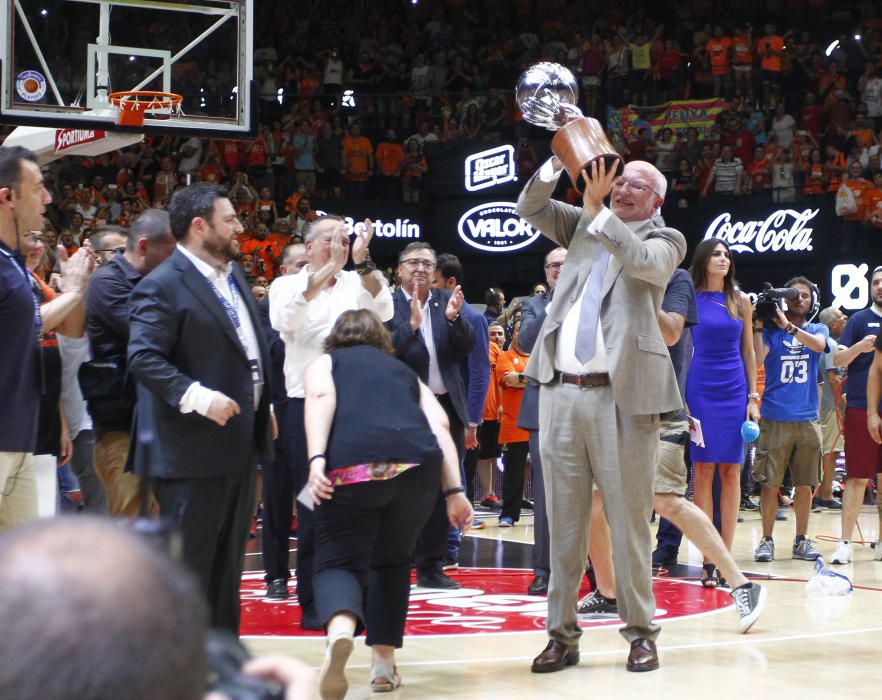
{"x":791,"y":392}
{"x":861,"y":324}
{"x":19,"y":374}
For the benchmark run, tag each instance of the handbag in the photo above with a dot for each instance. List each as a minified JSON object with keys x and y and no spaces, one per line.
{"x":108,"y":392}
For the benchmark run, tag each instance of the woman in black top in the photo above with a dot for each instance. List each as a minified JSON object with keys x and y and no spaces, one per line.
{"x":380,"y":450}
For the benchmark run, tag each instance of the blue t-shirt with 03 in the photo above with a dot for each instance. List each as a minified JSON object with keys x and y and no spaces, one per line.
{"x":791,"y":392}
{"x":859,"y":325}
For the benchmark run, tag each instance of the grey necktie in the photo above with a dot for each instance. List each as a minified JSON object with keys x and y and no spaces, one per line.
{"x":586,"y":332}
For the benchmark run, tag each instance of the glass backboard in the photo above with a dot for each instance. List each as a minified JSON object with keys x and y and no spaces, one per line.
{"x":61,"y":60}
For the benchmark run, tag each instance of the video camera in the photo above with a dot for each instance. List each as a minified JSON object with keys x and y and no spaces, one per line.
{"x":770,"y":300}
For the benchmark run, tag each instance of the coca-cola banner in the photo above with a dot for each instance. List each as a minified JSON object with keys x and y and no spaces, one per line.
{"x":757,"y":228}
{"x":772,"y":241}
{"x":783,"y":230}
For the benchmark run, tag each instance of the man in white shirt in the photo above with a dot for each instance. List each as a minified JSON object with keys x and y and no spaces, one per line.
{"x":605,"y":376}
{"x":304,"y":308}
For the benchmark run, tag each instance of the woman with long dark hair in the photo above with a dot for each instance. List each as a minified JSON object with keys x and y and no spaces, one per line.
{"x":721,"y":384}
{"x":379,"y":452}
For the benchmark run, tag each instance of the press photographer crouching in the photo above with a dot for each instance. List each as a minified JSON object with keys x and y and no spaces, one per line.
{"x":791,"y":349}
{"x":135,"y":618}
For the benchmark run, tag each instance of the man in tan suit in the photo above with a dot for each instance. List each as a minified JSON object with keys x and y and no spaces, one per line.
{"x":605,"y":377}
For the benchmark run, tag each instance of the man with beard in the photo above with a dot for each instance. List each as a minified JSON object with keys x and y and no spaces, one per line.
{"x":862,"y":416}
{"x":203,"y":419}
{"x":791,"y":434}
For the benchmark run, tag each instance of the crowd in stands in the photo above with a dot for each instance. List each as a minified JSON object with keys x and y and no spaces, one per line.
{"x":358,"y":112}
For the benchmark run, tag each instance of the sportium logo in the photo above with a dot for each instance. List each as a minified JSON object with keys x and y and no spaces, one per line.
{"x":68,"y":138}
{"x":783,"y":230}
{"x":489,"y":168}
{"x":496,"y":228}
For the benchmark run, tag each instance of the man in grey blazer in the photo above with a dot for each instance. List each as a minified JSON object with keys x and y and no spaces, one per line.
{"x":605,"y":377}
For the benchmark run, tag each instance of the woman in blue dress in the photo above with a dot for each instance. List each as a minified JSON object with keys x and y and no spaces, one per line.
{"x":720,"y":385}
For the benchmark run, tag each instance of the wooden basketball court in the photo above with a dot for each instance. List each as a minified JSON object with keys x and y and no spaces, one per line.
{"x":804,"y":647}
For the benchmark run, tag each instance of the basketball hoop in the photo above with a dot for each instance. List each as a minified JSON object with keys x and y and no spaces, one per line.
{"x":133,"y":105}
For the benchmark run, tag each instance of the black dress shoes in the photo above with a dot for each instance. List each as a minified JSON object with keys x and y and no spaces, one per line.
{"x":538,"y":586}
{"x":643,"y":656}
{"x":555,"y":657}
{"x":277,"y":589}
{"x":436,"y":579}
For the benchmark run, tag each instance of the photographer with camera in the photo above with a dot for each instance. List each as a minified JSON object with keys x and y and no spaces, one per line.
{"x":791,"y":350}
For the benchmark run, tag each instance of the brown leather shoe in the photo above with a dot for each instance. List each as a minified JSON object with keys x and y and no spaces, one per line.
{"x":555,"y":657}
{"x":643,"y":656}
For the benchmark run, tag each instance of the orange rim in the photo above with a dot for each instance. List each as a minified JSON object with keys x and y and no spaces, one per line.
{"x":145,"y":101}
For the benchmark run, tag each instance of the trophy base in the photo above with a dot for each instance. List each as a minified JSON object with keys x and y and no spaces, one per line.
{"x":579,"y":144}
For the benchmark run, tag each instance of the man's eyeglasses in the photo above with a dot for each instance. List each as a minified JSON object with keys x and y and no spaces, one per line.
{"x":414,"y":263}
{"x":554,"y":266}
{"x":636,"y":185}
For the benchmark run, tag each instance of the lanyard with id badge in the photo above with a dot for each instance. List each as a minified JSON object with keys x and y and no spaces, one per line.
{"x":233,"y":312}
{"x":29,"y":280}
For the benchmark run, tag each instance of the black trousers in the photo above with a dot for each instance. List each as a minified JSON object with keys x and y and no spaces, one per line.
{"x":278,"y":502}
{"x":213,"y":516}
{"x":470,"y":467}
{"x":364,"y":537}
{"x":431,"y":546}
{"x":515,"y":461}
{"x":541,"y":543}
{"x":297,"y":454}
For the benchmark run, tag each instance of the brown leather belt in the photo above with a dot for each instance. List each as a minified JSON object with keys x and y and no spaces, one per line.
{"x":582,"y":380}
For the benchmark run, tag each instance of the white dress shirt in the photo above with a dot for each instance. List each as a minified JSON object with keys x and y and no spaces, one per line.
{"x":565,"y":353}
{"x":435,"y":383}
{"x":304,"y":325}
{"x":197,"y":397}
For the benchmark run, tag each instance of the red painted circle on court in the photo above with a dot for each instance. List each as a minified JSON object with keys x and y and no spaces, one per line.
{"x":491,"y":601}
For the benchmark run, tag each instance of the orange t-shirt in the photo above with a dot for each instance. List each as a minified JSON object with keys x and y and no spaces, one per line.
{"x":773,"y":61}
{"x":719,"y":55}
{"x":743,"y":53}
{"x":389,"y":158}
{"x":232,"y":153}
{"x":510,"y":361}
{"x":491,"y":403}
{"x":210,"y":172}
{"x":265,"y":253}
{"x":814,"y":181}
{"x":864,"y":136}
{"x":860,"y":189}
{"x":873,"y":202}
{"x":357,"y":151}
{"x":834,"y":169}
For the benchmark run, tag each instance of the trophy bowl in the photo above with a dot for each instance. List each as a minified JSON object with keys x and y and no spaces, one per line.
{"x":547,"y":94}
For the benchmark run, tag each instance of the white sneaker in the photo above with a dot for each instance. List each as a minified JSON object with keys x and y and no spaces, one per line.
{"x":844,"y":553}
{"x":877,"y":551}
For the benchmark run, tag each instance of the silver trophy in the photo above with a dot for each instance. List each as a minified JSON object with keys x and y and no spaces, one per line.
{"x":547,"y":94}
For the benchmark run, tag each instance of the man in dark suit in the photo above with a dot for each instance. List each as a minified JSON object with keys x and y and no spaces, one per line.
{"x":202,"y":419}
{"x":532,"y":318}
{"x":431,"y":337}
